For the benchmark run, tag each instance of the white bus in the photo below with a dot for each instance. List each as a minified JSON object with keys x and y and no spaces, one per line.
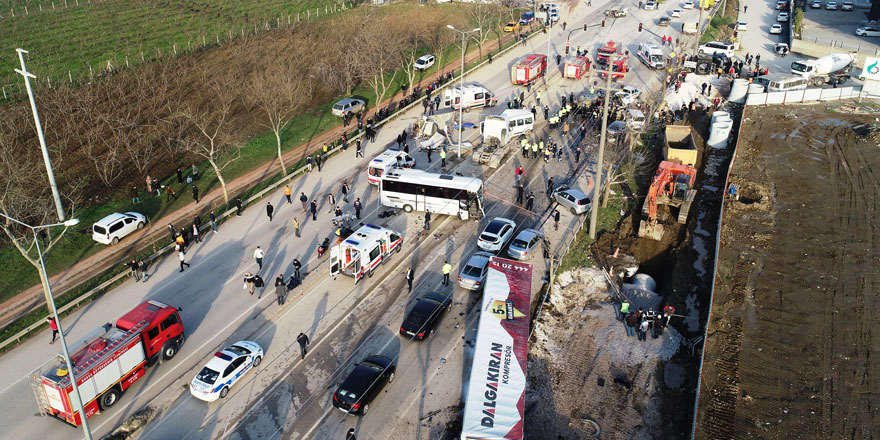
{"x":417,"y":190}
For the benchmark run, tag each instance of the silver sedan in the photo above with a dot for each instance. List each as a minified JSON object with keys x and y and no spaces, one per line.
{"x":473,"y":273}
{"x":572,"y":198}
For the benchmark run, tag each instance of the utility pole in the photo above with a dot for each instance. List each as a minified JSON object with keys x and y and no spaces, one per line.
{"x":699,"y":26}
{"x":464,"y":35}
{"x":597,"y":182}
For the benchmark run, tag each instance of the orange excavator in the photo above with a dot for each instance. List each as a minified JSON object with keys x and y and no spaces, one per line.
{"x":673,"y":185}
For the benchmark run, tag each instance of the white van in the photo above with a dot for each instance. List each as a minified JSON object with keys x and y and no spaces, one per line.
{"x":389,"y":159}
{"x":507,"y":125}
{"x":635,"y":119}
{"x":714,"y":47}
{"x":781,"y":82}
{"x":472,"y":96}
{"x":111,"y":229}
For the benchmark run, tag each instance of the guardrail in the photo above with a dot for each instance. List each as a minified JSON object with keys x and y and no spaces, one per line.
{"x":272,"y":187}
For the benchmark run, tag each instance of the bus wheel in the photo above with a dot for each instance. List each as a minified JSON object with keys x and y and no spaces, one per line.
{"x":407,"y":208}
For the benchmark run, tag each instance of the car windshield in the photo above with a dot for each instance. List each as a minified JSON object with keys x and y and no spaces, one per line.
{"x":239,"y":350}
{"x":207,"y":376}
{"x":473,"y":271}
{"x":493,"y":227}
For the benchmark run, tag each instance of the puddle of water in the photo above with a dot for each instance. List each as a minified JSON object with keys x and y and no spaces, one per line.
{"x":700,"y":247}
{"x":713,"y":163}
{"x":710,"y":188}
{"x":673,"y":375}
{"x":832,"y":121}
{"x":693,"y":313}
{"x":794,"y":134}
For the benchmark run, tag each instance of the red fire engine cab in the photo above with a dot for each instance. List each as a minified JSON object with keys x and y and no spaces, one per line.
{"x":528,"y":69}
{"x":108,"y":361}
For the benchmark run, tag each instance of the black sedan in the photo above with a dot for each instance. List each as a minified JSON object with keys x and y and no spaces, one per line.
{"x":422,"y":319}
{"x":363,"y":384}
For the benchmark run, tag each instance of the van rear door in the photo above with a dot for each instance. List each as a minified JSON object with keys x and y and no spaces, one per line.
{"x":335,"y":264}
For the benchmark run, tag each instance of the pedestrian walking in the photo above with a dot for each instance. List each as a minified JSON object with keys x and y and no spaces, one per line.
{"x":428,"y":220}
{"x":657,"y":325}
{"x":331,"y":201}
{"x":213,"y":222}
{"x":409,"y":278}
{"x":447,"y":268}
{"x":305,"y":200}
{"x":134,"y":270}
{"x":280,"y":289}
{"x":519,"y":193}
{"x":269,"y":210}
{"x":549,"y":186}
{"x":530,"y":202}
{"x":304,"y":342}
{"x":54,"y":326}
{"x":345,"y":190}
{"x":169,"y":193}
{"x":319,"y":160}
{"x":142,"y":266}
{"x":442,"y":157}
{"x":630,"y":321}
{"x":643,"y":330}
{"x":134,"y":196}
{"x":350,"y":434}
{"x":358,"y":152}
{"x":556,"y":219}
{"x":195,"y":171}
{"x":309,"y":163}
{"x":314,"y":209}
{"x":182,"y":256}
{"x":288,"y":193}
{"x":296,"y":226}
{"x":249,"y":282}
{"x":258,"y":256}
{"x":238,"y":206}
{"x":195,"y":231}
{"x":357,"y":208}
{"x":297,"y":266}
{"x":538,"y":97}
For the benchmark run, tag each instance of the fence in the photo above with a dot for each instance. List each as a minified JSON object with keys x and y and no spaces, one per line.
{"x":806,"y":95}
{"x":117,"y":62}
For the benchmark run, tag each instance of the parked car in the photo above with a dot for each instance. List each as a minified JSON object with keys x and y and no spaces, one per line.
{"x":226,"y":368}
{"x":687,"y":5}
{"x":572,"y":198}
{"x":714,"y":47}
{"x":831,"y":6}
{"x":627,"y":94}
{"x":553,"y":16}
{"x":424,"y":62}
{"x":782,"y":17}
{"x":650,"y":5}
{"x":741,"y":26}
{"x":421,"y":321}
{"x":846,"y":6}
{"x":816,"y":5}
{"x":525,"y":243}
{"x":615,"y":129}
{"x":663,"y":21}
{"x":512,"y":26}
{"x":111,"y":229}
{"x":348,"y":105}
{"x":776,"y":29}
{"x":526,"y":18}
{"x":676,"y":13}
{"x":473,"y":273}
{"x":868,"y":31}
{"x":496,"y":234}
{"x":781,"y":4}
{"x":360,"y":387}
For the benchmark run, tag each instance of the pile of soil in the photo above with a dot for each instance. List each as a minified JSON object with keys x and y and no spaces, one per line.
{"x":791,"y":341}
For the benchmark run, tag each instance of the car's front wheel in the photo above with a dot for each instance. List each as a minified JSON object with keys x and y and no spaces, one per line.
{"x":257,"y":361}
{"x":224,"y":392}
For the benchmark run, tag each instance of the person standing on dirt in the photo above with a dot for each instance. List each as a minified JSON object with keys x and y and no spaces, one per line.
{"x":624,"y":309}
{"x":169,"y":193}
{"x":269,"y":210}
{"x":630,"y":321}
{"x":643,"y":330}
{"x":179,"y":175}
{"x":195,"y":191}
{"x":195,"y":171}
{"x":304,"y":342}
{"x":149,"y":181}
{"x":657,"y":326}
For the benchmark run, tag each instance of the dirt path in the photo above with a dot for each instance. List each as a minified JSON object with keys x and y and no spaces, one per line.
{"x":82,"y":271}
{"x":791,"y":338}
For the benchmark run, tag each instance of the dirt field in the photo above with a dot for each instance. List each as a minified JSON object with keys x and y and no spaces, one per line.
{"x":792,"y":347}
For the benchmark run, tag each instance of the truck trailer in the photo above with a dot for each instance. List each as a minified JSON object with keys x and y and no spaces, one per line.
{"x":495,"y":396}
{"x":108,"y":361}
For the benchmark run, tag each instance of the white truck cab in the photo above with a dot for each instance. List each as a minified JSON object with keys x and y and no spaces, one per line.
{"x":363,"y":251}
{"x":508,"y":125}
{"x":470,"y":96}
{"x":391,"y":158}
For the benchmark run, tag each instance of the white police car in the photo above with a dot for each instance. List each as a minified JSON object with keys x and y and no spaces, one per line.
{"x":225,"y":369}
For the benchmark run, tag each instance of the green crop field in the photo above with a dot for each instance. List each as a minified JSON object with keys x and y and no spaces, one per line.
{"x":65,"y":37}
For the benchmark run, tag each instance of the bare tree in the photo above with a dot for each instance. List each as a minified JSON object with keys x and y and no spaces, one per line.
{"x":379,"y":57}
{"x":214,"y":141}
{"x":485,"y":17}
{"x":279,"y":91}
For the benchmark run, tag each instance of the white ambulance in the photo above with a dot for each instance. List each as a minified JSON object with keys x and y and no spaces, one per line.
{"x":389,"y":159}
{"x":363,"y":251}
{"x":472,"y":96}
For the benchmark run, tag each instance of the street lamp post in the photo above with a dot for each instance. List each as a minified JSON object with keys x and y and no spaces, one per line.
{"x":27,"y":83}
{"x":54,"y":311}
{"x":464,"y":35}
{"x":597,"y":182}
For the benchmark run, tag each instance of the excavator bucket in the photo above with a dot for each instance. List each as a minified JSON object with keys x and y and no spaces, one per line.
{"x":652,"y":230}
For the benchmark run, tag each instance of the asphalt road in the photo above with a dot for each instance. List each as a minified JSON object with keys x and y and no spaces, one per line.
{"x":346,"y":321}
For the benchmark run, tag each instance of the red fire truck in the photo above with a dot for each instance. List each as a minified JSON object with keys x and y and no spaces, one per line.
{"x":576,"y":67}
{"x":605,"y":52}
{"x":528,"y":69}
{"x":621,"y":65}
{"x":108,"y":361}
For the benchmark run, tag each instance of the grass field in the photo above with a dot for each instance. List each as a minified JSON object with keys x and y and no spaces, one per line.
{"x":76,"y":34}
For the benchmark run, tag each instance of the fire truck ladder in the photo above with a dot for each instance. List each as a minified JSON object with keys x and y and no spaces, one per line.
{"x":39,"y":393}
